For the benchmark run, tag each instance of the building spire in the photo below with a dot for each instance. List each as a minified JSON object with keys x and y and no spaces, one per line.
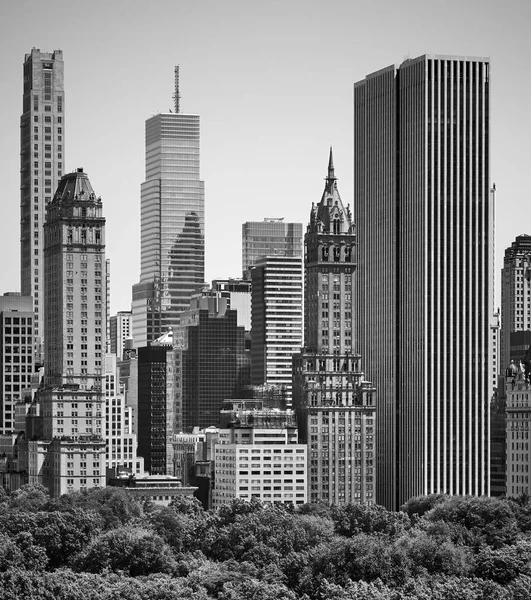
{"x":331,"y":175}
{"x":177,"y":95}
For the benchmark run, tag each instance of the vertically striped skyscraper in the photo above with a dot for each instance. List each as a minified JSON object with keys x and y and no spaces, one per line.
{"x":424,"y":293}
{"x":172,"y":224}
{"x":41,"y":167}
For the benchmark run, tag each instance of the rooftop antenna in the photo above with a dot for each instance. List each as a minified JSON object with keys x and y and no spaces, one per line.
{"x":176,"y":95}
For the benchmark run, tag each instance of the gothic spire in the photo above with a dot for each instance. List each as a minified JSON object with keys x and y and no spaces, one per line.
{"x":331,"y":175}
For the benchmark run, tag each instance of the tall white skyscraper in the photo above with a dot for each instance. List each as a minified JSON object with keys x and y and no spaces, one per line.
{"x":42,"y":130}
{"x":424,"y":294}
{"x":172,"y":224}
{"x":276,"y":320}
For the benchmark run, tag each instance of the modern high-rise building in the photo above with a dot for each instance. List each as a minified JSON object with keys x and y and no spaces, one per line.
{"x":172,"y":224}
{"x":269,"y":237}
{"x":120,"y":330}
{"x":211,"y":363}
{"x":276,"y":320}
{"x":157,"y":409}
{"x":42,"y":155}
{"x":424,"y":294}
{"x":16,"y":355}
{"x":335,"y":405}
{"x":72,"y":451}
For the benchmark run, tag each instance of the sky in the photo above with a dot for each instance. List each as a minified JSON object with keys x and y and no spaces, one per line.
{"x":273,"y":84}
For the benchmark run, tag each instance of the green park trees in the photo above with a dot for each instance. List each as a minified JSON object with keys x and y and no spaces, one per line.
{"x":103,"y":545}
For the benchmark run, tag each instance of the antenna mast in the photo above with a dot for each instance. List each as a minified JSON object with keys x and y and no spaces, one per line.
{"x":176,"y":95}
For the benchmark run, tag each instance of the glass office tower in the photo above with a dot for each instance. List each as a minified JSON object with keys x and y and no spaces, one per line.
{"x":172,"y":225}
{"x":270,"y":237}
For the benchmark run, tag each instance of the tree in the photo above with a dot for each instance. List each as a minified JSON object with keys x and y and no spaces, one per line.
{"x":115,"y":506}
{"x":187,"y":505}
{"x":10,"y":554}
{"x":18,"y":584}
{"x":489,"y":521}
{"x":427,"y":554}
{"x":133,"y":551}
{"x":60,"y":534}
{"x":351,"y":519}
{"x":252,"y":589}
{"x":420,"y":505}
{"x":30,"y":498}
{"x":504,"y":564}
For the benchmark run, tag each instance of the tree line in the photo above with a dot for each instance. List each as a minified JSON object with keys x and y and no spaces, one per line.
{"x":104,"y":545}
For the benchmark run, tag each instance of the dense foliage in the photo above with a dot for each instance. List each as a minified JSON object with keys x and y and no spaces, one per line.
{"x":103,"y":545}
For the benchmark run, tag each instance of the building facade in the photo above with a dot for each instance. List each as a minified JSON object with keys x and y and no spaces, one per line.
{"x":157,"y":411}
{"x":335,"y":405}
{"x":172,"y":225}
{"x":73,"y":397}
{"x":121,"y":441}
{"x":424,"y":214}
{"x":262,"y":458}
{"x":120,"y":330}
{"x":518,"y":421}
{"x":270,"y":237}
{"x":276,"y":319}
{"x":211,"y":363}
{"x":515,"y":298}
{"x":42,"y":155}
{"x":16,"y":355}
{"x":238,"y":294}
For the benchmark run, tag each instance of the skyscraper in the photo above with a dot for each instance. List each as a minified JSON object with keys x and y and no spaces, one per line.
{"x":276,"y":318}
{"x":156,"y":405}
{"x":424,"y":294}
{"x":172,"y":223}
{"x":16,"y":355}
{"x":120,"y":330}
{"x":73,"y":397}
{"x":41,"y":166}
{"x":270,"y":237}
{"x":518,"y":414}
{"x":335,"y":405}
{"x":515,"y":301}
{"x":211,"y":362}
{"x":514,"y":340}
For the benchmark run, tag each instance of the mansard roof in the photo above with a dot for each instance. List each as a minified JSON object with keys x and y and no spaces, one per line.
{"x":76,"y":187}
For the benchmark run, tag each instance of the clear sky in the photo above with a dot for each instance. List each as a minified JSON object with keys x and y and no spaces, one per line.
{"x":272,"y":81}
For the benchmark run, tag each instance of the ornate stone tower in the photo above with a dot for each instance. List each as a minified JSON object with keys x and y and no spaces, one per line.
{"x":335,"y":405}
{"x":72,"y":397}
